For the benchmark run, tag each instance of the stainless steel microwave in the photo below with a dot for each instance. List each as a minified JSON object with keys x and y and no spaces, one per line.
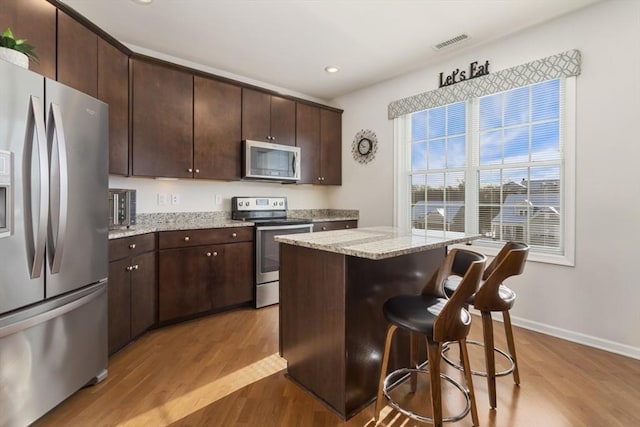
{"x":122,"y":208}
{"x":264,"y":160}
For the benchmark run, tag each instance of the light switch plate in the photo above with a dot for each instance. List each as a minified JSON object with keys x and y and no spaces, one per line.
{"x":218,"y":199}
{"x":162,"y":199}
{"x":175,"y":199}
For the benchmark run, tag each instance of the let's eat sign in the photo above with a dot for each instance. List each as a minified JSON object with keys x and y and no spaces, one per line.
{"x":457,"y":75}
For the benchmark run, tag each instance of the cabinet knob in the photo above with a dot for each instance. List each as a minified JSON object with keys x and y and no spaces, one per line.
{"x":197,"y":170}
{"x":214,"y":253}
{"x":234,"y":234}
{"x":324,"y":228}
{"x":132,"y":246}
{"x":129,"y":268}
{"x":208,"y":254}
{"x":190,"y":170}
{"x":135,"y":267}
{"x":347,"y":226}
{"x":319,"y":178}
{"x":186,"y":239}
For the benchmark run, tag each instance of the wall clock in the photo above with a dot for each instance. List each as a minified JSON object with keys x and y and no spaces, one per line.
{"x":365,"y":146}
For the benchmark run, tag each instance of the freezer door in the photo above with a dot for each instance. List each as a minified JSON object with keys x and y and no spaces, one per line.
{"x":77,"y":134}
{"x":50,"y":350}
{"x":24,"y":166}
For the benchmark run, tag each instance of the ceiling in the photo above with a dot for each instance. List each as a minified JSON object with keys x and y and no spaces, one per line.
{"x":288,"y":43}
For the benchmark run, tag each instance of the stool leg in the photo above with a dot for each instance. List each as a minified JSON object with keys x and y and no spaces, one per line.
{"x":511,"y":345}
{"x":434,"y":349}
{"x":464,"y":355}
{"x":487,"y":331}
{"x":383,"y":370}
{"x":414,"y":360}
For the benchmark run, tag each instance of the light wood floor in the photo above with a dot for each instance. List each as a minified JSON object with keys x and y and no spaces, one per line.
{"x":224,"y":370}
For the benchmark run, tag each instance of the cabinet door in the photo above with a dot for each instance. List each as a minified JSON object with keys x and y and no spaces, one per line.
{"x":184,"y":282}
{"x":162,"y":121}
{"x":256,"y":115}
{"x":77,"y":55}
{"x":35,"y":21}
{"x":143,"y":293}
{"x":334,"y":225}
{"x":308,"y":139}
{"x":217,"y":129}
{"x":119,"y":304}
{"x":283,"y":121}
{"x":113,"y":88}
{"x":331,"y":143}
{"x":233,"y":275}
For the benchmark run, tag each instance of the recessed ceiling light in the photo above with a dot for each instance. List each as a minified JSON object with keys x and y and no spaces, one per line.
{"x":144,"y":2}
{"x":331,"y":69}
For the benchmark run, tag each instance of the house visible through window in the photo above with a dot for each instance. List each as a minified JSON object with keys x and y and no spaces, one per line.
{"x":493,"y":165}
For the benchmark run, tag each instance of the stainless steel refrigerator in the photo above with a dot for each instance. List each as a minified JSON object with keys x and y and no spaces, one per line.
{"x":53,"y":243}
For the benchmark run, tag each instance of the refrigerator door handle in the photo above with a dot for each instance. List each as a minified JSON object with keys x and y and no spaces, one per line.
{"x":55,"y":128}
{"x":35,"y":124}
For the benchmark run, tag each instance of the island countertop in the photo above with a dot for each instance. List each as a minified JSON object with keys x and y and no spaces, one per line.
{"x":376,"y":242}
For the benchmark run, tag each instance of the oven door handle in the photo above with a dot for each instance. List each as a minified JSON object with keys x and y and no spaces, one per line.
{"x":284,"y":227}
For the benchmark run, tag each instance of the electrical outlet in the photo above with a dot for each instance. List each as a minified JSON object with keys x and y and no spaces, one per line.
{"x":162,"y":199}
{"x":218,"y":199}
{"x":175,"y":199}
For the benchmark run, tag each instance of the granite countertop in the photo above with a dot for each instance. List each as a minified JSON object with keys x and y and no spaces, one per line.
{"x":376,"y":242}
{"x":151,"y":223}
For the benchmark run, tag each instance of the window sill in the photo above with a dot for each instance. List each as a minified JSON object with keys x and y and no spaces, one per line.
{"x":492,"y":251}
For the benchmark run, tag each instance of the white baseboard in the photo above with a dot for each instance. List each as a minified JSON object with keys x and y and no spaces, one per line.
{"x":577,"y":337}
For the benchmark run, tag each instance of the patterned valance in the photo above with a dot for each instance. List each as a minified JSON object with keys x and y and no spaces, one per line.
{"x":561,"y":65}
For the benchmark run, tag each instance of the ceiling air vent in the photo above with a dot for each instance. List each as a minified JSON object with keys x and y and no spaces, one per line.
{"x":447,"y":43}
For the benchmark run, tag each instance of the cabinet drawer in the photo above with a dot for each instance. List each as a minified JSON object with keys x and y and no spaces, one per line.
{"x":129,"y":246}
{"x":212,"y":236}
{"x":334,"y":225}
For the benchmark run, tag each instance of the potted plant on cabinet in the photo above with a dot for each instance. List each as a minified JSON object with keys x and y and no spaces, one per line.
{"x":15,"y":50}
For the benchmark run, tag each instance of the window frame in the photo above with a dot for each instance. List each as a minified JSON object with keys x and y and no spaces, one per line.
{"x":402,"y":177}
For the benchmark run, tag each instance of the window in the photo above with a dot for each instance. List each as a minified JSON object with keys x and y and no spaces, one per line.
{"x":499,"y":165}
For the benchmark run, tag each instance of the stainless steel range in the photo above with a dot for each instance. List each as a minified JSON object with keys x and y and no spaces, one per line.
{"x":270,"y":217}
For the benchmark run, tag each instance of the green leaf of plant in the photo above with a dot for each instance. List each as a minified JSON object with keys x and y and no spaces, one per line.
{"x":7,"y":33}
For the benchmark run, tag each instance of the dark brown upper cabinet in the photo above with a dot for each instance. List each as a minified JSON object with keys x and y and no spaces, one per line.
{"x":330,"y":147}
{"x":35,"y":21}
{"x":77,"y":55}
{"x":162,"y":121}
{"x":217,"y":113}
{"x":113,"y":88}
{"x":319,"y":136}
{"x":268,"y":118}
{"x":308,"y":139}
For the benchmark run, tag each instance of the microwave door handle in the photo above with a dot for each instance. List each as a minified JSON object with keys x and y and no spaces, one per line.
{"x":55,"y":128}
{"x":35,"y":124}
{"x":293,"y":163}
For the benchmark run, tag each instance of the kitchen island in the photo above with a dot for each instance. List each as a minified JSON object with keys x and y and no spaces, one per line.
{"x":332,"y":287}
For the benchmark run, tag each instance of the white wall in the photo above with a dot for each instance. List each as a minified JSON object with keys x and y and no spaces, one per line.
{"x":595,"y":302}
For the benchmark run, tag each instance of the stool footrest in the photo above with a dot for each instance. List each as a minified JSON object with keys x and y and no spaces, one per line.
{"x":502,"y":373}
{"x":403,"y":374}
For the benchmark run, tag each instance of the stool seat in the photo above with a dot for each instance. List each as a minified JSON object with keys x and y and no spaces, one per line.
{"x":416,"y":313}
{"x":506,"y":295}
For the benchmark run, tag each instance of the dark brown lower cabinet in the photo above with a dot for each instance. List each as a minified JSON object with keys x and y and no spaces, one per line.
{"x":210,"y":276}
{"x":334,"y":225}
{"x":132,"y":289}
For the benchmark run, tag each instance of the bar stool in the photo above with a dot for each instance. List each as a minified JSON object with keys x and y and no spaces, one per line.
{"x":440,"y":320}
{"x":494,"y":296}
